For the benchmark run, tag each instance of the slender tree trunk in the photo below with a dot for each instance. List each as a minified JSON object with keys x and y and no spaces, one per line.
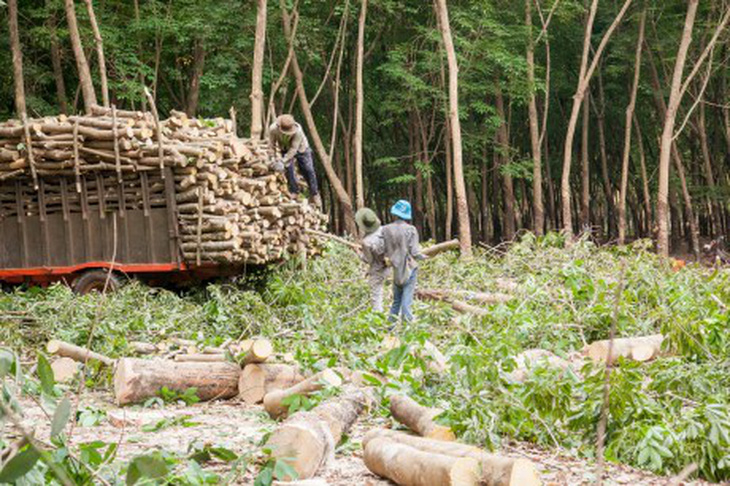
{"x":449,"y":182}
{"x":585,"y":176}
{"x":461,"y":202}
{"x":17,"y":53}
{"x":199,"y":53}
{"x":538,"y":210}
{"x":139,"y":57}
{"x":649,"y":218}
{"x":359,"y":95}
{"x":257,"y":90}
{"x":584,"y":79}
{"x":709,"y":177}
{"x":87,"y":86}
{"x":665,"y":152}
{"x":56,"y":64}
{"x":627,"y":134}
{"x":99,"y":53}
{"x":485,"y":198}
{"x":324,"y":157}
{"x":502,"y":147}
{"x":600,"y":108}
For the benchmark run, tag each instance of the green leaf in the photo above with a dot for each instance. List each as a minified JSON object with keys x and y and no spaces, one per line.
{"x":284,"y":472}
{"x":264,"y":478}
{"x":148,"y":466}
{"x":60,"y":417}
{"x":20,"y":465}
{"x":7,"y":358}
{"x":45,"y":374}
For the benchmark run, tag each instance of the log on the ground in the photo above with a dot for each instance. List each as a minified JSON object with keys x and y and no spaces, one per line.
{"x":419,"y":419}
{"x":140,"y":347}
{"x":530,"y":358}
{"x":200,"y":358}
{"x":68,"y":350}
{"x":644,"y":348}
{"x":136,"y":380}
{"x":307,"y":440}
{"x":434,"y":250}
{"x":257,"y":351}
{"x":64,"y":369}
{"x":274,"y":401}
{"x":447,"y":297}
{"x":258,"y":379}
{"x":494,"y":470}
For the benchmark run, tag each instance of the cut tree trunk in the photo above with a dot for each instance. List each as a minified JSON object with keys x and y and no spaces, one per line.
{"x":419,"y":419}
{"x":408,"y":466}
{"x":644,"y":348}
{"x":99,"y":53}
{"x":274,"y":400}
{"x":17,"y":53}
{"x":87,"y":86}
{"x":259,"y":379}
{"x":77,"y":353}
{"x":434,"y":250}
{"x":533,"y":357}
{"x":307,"y":440}
{"x":200,"y":358}
{"x":257,"y":351}
{"x":493,"y":470}
{"x":136,"y":380}
{"x":462,"y":207}
{"x":65,"y":369}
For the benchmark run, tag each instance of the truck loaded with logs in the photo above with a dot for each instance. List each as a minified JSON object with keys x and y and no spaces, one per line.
{"x":91,"y":199}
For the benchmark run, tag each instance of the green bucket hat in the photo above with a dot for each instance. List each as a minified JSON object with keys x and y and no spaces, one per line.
{"x":367,"y":221}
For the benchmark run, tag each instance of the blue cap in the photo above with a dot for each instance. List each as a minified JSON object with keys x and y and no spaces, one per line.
{"x":401,"y":209}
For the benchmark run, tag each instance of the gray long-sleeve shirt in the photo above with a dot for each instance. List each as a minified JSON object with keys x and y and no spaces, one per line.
{"x":402,"y":249}
{"x":373,"y":252}
{"x":289,"y":145}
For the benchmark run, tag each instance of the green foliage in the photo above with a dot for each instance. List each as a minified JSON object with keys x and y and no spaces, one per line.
{"x":189,"y":396}
{"x":180,"y":421}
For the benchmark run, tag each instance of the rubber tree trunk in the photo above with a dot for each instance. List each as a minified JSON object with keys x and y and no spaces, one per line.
{"x":359,"y":101}
{"x":507,"y":183}
{"x":87,"y":86}
{"x":538,"y":210}
{"x":342,"y":195}
{"x":257,"y":91}
{"x":17,"y":54}
{"x":716,"y":225}
{"x":665,"y":147}
{"x":627,"y":133}
{"x":99,"y":42}
{"x":462,"y":207}
{"x":584,"y":79}
{"x":600,"y":108}
{"x":56,"y":64}
{"x":649,"y":214}
{"x":585,"y":164}
{"x":199,"y":53}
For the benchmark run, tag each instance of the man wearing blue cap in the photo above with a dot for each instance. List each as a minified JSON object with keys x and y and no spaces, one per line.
{"x":403,"y":250}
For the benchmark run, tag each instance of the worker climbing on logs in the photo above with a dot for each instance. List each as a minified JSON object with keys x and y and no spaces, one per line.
{"x":372,"y":254}
{"x":288,"y":141}
{"x":402,"y":249}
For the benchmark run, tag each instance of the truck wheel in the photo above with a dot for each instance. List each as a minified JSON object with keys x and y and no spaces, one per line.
{"x":96,"y":281}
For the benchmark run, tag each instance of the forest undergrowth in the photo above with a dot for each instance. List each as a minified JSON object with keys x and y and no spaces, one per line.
{"x":663,"y":415}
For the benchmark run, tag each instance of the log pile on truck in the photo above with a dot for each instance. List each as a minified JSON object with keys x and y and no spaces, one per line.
{"x":231,"y":207}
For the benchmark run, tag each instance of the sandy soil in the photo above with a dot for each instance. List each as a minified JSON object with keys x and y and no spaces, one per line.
{"x":241,"y":427}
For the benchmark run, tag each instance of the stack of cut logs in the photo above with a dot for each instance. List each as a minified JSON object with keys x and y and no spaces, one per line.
{"x":231,"y":206}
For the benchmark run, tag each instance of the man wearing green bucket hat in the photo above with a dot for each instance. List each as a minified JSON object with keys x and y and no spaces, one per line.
{"x":403,"y":250}
{"x":373,"y":254}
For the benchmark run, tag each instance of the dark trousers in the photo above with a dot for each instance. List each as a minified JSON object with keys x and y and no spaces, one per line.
{"x":305,"y":162}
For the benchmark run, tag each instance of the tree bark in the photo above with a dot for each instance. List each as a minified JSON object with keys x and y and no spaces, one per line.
{"x":99,"y":53}
{"x":56,"y":64}
{"x":257,"y":91}
{"x":199,"y":53}
{"x":324,"y":157}
{"x":17,"y":54}
{"x":600,"y":108}
{"x":639,"y":349}
{"x":502,"y":147}
{"x":716,"y":225}
{"x":584,"y":219}
{"x":538,"y":209}
{"x":665,"y":151}
{"x":359,"y":101}
{"x":258,"y":379}
{"x":419,"y":419}
{"x":460,"y":185}
{"x":274,"y":400}
{"x":627,"y":133}
{"x":87,"y":86}
{"x":649,"y":216}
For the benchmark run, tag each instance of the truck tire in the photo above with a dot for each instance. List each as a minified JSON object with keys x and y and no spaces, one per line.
{"x":96,"y":281}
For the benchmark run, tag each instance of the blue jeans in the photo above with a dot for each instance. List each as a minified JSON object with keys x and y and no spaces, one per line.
{"x":403,"y":299}
{"x":305,"y":161}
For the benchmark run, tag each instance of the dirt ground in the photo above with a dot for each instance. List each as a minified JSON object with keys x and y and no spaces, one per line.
{"x":241,"y":427}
